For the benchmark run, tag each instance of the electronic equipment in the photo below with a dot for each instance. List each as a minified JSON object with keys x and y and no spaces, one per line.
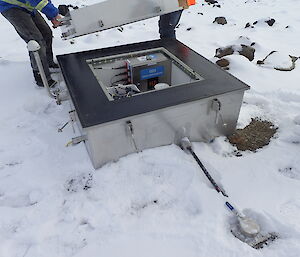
{"x":148,"y":70}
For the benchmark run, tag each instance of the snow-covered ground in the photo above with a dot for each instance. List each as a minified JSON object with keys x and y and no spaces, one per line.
{"x":155,"y":203}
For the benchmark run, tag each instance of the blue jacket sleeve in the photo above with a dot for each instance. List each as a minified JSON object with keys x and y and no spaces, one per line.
{"x":50,"y":11}
{"x":46,"y":7}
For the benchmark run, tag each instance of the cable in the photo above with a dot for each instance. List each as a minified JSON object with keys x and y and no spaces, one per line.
{"x":120,"y":80}
{"x":111,"y":68}
{"x":120,"y":74}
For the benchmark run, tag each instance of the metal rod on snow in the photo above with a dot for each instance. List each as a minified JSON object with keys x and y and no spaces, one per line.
{"x":187,"y":145}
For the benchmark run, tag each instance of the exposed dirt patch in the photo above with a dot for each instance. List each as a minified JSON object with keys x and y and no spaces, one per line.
{"x":254,"y":136}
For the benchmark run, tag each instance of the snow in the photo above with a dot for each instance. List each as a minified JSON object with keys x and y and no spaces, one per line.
{"x":155,"y":203}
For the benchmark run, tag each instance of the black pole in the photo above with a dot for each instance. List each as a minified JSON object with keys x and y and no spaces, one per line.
{"x":215,"y":185}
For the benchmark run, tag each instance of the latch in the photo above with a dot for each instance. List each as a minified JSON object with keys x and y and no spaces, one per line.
{"x":62,"y":96}
{"x":131,"y":131}
{"x":216,"y":106}
{"x":72,"y":115}
{"x":100,"y":23}
{"x":76,"y":140}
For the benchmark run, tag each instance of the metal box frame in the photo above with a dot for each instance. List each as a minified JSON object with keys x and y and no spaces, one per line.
{"x":200,"y":110}
{"x":177,"y":73}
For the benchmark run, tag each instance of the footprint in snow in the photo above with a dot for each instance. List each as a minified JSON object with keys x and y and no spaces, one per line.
{"x":297,"y":120}
{"x":3,"y":61}
{"x":80,"y":182}
{"x":39,"y":105}
{"x":19,"y":201}
{"x":290,"y":172}
{"x":291,"y":210}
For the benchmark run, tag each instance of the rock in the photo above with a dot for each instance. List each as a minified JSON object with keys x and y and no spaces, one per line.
{"x":223,"y":63}
{"x":247,"y":25}
{"x":211,"y":1}
{"x":220,"y":20}
{"x":260,"y":62}
{"x":221,"y":52}
{"x":270,"y":22}
{"x":248,"y":52}
{"x":242,"y":46}
{"x":188,"y":29}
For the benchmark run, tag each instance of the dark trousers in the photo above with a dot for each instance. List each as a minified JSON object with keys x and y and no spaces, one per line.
{"x":33,"y":27}
{"x":167,"y":24}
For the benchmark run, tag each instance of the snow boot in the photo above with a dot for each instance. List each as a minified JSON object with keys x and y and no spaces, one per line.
{"x":54,"y":67}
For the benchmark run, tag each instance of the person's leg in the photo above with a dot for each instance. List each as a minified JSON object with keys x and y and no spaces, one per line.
{"x":167,"y":24}
{"x":26,"y":28}
{"x":47,"y":36}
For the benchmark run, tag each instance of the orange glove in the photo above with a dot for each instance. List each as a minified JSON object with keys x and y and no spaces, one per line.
{"x":55,"y":21}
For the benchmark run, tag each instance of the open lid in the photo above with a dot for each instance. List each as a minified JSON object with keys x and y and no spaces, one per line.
{"x":114,"y":13}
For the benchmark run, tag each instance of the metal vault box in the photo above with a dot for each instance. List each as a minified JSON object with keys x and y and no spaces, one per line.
{"x":201,"y":101}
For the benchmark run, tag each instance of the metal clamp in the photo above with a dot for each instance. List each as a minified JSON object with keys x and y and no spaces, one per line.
{"x":76,"y":140}
{"x":62,"y":96}
{"x":131,"y":131}
{"x":100,"y":23}
{"x":72,"y":115}
{"x":216,"y":106}
{"x":61,"y":128}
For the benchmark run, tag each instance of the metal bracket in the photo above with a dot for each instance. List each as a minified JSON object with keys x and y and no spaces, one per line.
{"x":76,"y":140}
{"x":217,"y":106}
{"x":62,"y":128}
{"x":157,"y":9}
{"x":70,"y":32}
{"x":72,"y":115}
{"x":62,"y":96}
{"x":100,"y":23}
{"x":131,"y":131}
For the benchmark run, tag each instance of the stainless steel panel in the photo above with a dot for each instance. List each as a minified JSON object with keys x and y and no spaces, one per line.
{"x":197,"y":120}
{"x":113,"y":13}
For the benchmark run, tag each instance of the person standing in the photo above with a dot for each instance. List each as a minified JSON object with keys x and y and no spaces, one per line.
{"x":25,"y":17}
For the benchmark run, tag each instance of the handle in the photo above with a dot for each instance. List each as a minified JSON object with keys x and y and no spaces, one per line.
{"x":230,"y":207}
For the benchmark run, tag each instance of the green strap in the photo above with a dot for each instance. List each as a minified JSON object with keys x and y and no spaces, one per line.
{"x":41,"y":5}
{"x":27,"y":5}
